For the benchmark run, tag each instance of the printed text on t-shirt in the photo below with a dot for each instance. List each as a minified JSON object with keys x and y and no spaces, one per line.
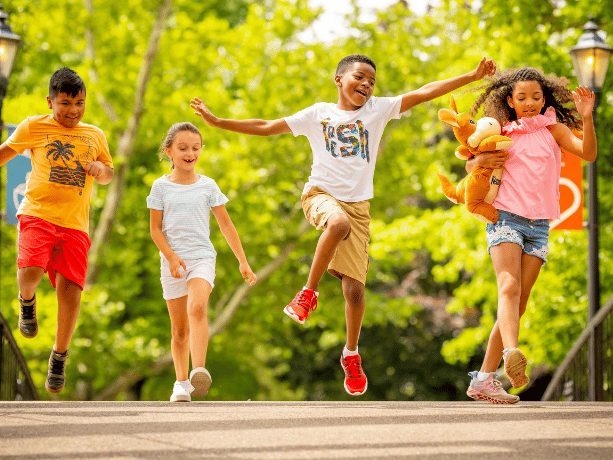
{"x":346,"y":140}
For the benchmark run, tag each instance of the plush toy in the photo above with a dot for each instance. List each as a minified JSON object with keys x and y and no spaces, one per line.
{"x":479,"y":188}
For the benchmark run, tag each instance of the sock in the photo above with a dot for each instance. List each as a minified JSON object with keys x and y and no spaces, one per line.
{"x":27,"y":300}
{"x":506,"y":350}
{"x":348,"y":352}
{"x":483,"y":376}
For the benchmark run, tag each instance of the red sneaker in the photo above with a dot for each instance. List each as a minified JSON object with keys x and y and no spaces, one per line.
{"x":303,"y":304}
{"x":356,"y":382}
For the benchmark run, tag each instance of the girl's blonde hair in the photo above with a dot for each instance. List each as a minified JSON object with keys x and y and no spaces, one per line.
{"x":172,"y":134}
{"x":555,"y":91}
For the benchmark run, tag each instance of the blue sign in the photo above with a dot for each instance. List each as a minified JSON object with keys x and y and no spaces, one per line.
{"x":17,"y":172}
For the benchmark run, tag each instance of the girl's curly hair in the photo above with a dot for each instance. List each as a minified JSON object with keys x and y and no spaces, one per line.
{"x":555,"y":91}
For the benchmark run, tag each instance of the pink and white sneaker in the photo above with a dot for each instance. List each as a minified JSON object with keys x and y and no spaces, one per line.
{"x":489,"y":390}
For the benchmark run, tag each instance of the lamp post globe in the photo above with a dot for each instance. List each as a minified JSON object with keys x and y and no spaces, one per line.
{"x":591,"y":57}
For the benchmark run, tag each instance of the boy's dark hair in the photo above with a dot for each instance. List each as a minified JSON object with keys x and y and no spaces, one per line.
{"x":348,"y":60}
{"x":555,"y":91}
{"x":66,"y":81}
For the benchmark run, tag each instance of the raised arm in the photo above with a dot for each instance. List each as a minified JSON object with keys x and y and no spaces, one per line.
{"x":155,"y":228}
{"x":231,"y":235}
{"x":586,"y":148}
{"x":250,"y":126}
{"x":438,"y":88}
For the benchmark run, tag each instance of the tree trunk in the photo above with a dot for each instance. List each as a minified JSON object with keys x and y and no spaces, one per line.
{"x":125,"y":147}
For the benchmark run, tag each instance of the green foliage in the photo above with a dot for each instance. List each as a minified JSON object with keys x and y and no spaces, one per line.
{"x":431,"y":291}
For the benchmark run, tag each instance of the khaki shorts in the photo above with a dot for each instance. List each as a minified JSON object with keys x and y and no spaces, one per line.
{"x":351,"y":256}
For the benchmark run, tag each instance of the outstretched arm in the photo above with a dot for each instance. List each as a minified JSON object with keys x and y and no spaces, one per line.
{"x":251,"y":126}
{"x":231,"y":235}
{"x":438,"y":88}
{"x":586,"y":148}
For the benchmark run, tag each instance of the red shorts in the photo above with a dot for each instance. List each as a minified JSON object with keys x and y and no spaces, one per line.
{"x":53,"y":248}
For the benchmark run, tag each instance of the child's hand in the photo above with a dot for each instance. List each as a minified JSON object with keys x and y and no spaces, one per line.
{"x":584,"y":101}
{"x":94,"y":169}
{"x":202,"y":111}
{"x":247,"y":273}
{"x":176,"y":263}
{"x":485,"y":68}
{"x":492,"y":160}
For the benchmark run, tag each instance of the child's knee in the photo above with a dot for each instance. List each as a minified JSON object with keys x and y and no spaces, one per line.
{"x":339,"y":225}
{"x":180,"y":334}
{"x":354,"y":292}
{"x":197,"y":310}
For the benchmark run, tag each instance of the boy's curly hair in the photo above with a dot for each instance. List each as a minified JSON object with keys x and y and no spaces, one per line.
{"x":555,"y":91}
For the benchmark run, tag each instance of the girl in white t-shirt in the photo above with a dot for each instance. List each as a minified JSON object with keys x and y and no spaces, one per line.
{"x":181,"y":204}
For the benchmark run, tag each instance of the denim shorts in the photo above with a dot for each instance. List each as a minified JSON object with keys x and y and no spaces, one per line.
{"x":532,"y":235}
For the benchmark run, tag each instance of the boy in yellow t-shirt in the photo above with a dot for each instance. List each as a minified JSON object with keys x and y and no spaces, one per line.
{"x":67,"y":157}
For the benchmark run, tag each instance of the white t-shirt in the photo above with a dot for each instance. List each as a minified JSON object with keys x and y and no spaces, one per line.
{"x":187,"y":213}
{"x":345,"y":144}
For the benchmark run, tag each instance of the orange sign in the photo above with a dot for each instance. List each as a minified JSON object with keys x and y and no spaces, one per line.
{"x":571,"y":194}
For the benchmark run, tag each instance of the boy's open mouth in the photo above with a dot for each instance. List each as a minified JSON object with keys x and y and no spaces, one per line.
{"x":360,"y":92}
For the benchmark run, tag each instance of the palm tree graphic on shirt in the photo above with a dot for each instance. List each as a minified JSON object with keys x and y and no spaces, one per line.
{"x":64,"y":174}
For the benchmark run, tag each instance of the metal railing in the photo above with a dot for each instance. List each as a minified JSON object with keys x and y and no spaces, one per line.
{"x":15,"y":381}
{"x":570,"y":382}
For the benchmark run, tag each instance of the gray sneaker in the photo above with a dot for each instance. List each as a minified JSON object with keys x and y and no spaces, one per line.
{"x":489,"y":390}
{"x":56,"y":375}
{"x":515,"y":367}
{"x":28,"y":326}
{"x":201,"y":381}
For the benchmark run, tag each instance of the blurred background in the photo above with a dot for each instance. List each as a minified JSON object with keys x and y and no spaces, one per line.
{"x":431,"y":291}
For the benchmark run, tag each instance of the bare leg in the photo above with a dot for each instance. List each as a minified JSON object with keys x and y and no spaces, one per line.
{"x":353,"y":291}
{"x":28,"y":279}
{"x":179,"y":342}
{"x":337,"y":228}
{"x":199,"y":291}
{"x":530,"y":269}
{"x":68,"y":307}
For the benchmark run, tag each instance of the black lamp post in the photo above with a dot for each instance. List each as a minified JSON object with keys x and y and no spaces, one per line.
{"x":8,"y":48}
{"x":591,"y":60}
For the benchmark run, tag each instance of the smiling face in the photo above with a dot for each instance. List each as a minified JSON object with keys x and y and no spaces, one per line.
{"x":67,"y":110}
{"x":184,"y":151}
{"x":527,"y":98}
{"x":355,"y":85}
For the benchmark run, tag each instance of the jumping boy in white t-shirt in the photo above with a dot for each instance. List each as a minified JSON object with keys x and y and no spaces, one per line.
{"x":344,"y":138}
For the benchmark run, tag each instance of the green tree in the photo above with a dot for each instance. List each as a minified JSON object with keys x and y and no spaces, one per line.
{"x":431,"y":292}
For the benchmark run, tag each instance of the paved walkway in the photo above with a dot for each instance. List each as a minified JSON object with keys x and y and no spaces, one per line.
{"x":315,"y":430}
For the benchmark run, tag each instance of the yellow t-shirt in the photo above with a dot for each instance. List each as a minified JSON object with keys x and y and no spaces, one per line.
{"x":58,"y":189}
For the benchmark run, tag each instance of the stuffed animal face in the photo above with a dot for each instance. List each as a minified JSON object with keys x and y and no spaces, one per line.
{"x":474,"y":137}
{"x":486,"y":127}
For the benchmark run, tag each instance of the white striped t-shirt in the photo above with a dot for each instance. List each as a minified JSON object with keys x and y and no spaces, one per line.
{"x":187,"y":213}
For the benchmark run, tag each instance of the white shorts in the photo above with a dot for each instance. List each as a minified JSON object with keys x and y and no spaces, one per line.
{"x":173,"y":288}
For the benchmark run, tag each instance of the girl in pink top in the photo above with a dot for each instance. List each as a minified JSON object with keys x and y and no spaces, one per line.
{"x":530,"y":107}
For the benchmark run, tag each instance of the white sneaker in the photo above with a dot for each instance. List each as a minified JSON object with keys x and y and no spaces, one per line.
{"x":181,"y":391}
{"x":201,"y":381}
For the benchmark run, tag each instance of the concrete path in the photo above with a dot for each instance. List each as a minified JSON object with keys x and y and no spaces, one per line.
{"x":297,"y":430}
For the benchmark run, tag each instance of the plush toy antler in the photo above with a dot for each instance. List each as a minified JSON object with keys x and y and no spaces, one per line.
{"x":480,"y":187}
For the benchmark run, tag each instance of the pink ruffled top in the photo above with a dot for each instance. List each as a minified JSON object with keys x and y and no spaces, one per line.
{"x":531,"y":175}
